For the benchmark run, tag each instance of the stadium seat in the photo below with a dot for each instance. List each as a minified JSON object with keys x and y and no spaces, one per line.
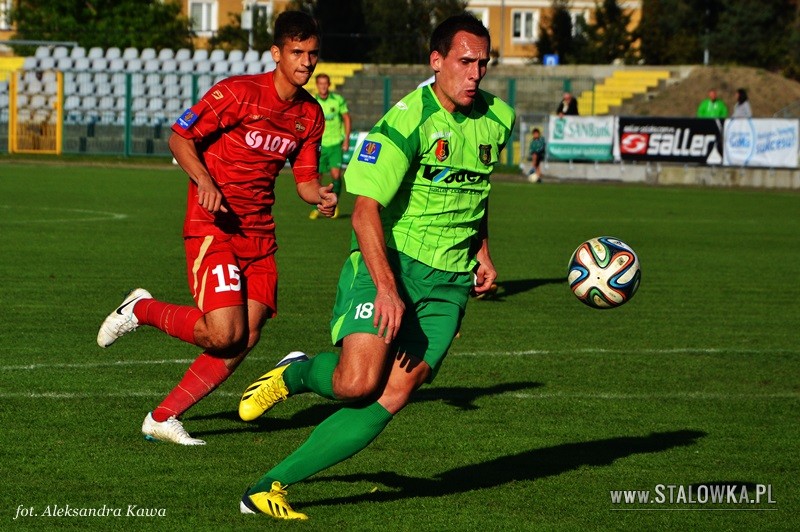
{"x":202,"y":67}
{"x":38,"y":101}
{"x":200,"y":55}
{"x":116,"y":65}
{"x":251,"y":56}
{"x":130,"y":53}
{"x":169,"y":65}
{"x":86,"y":89}
{"x":106,"y":103}
{"x":134,"y":65}
{"x":235,"y":55}
{"x":50,"y":87}
{"x":30,"y":63}
{"x":237,"y":68}
{"x":113,"y":53}
{"x":46,"y":63}
{"x":173,"y":106}
{"x":152,"y":65}
{"x":95,"y":52}
{"x":216,"y":55}
{"x":33,"y":86}
{"x":81,"y":63}
{"x":84,"y":77}
{"x":22,"y":100}
{"x":64,"y":63}
{"x":220,"y":67}
{"x":99,"y":64}
{"x":182,"y":54}
{"x":59,"y":52}
{"x":166,"y":53}
{"x":254,"y":68}
{"x":77,"y":51}
{"x":147,"y":54}
{"x":41,"y":52}
{"x":139,"y":104}
{"x":186,"y":65}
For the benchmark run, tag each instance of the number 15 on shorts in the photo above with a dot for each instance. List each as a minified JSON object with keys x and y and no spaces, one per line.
{"x":229,"y":283}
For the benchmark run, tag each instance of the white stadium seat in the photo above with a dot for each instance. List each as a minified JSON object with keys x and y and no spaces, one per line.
{"x":77,"y":51}
{"x":64,"y":63}
{"x":217,"y":55}
{"x":95,"y":52}
{"x":166,"y":53}
{"x":235,"y":55}
{"x":251,"y":56}
{"x":42,"y":51}
{"x":182,"y":54}
{"x":113,"y":53}
{"x":147,"y":54}
{"x":200,"y":55}
{"x":130,"y":53}
{"x":59,"y":52}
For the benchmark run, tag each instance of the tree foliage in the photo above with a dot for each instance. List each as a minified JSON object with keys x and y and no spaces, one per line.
{"x":105,"y":23}
{"x":556,"y":33}
{"x":608,"y":38}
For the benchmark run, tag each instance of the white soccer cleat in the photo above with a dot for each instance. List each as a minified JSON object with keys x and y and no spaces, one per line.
{"x":122,"y":320}
{"x":294,"y":356}
{"x":170,"y":430}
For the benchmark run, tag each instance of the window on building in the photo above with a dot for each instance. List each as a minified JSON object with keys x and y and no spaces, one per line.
{"x":5,"y":11}
{"x":204,"y":17}
{"x":525,"y":26}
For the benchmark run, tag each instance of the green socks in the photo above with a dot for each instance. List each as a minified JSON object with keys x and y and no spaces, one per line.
{"x":315,"y":375}
{"x":337,"y":186}
{"x":339,"y":437}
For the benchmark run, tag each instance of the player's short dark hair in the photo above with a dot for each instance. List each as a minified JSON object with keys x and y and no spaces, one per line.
{"x":442,"y":37}
{"x":294,"y":25}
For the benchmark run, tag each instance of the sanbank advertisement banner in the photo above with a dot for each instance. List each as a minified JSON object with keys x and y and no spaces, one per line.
{"x":678,"y":140}
{"x":761,"y":142}
{"x":575,"y":138}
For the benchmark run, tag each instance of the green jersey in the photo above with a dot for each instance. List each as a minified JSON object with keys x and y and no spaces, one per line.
{"x":334,"y":106}
{"x":430,"y":169}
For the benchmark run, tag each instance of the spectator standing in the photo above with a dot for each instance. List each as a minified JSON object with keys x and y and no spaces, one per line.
{"x":712,"y":107}
{"x":742,"y":109}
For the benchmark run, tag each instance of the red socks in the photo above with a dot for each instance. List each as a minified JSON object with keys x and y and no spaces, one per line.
{"x":202,"y":377}
{"x":175,"y":320}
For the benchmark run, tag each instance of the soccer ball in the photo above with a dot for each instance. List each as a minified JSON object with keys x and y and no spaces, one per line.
{"x":604,"y":272}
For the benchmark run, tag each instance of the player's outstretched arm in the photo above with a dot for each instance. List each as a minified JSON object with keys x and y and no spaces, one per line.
{"x":389,"y":307}
{"x":485,"y":274}
{"x":315,"y":194}
{"x":185,"y":153}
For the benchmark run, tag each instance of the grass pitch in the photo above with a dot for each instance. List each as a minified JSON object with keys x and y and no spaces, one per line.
{"x":542,"y":409}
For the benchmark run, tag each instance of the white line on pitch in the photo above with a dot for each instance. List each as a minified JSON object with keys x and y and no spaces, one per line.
{"x":530,"y":352}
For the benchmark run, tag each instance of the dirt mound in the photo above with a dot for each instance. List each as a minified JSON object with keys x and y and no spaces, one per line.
{"x":768,"y":92}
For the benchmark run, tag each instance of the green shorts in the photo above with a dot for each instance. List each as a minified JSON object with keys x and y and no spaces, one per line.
{"x":435,"y":302}
{"x":330,"y":157}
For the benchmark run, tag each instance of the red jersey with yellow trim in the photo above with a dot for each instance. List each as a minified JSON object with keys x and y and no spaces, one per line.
{"x":245,"y":134}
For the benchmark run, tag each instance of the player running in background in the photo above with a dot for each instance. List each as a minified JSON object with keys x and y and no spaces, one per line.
{"x":336,"y":138}
{"x":232,"y":144}
{"x":421,"y":180}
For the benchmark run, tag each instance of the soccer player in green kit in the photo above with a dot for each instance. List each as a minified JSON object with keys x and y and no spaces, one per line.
{"x":420,"y":221}
{"x":335,"y":138}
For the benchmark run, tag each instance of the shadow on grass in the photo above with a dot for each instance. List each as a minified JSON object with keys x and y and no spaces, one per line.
{"x":513,"y":287}
{"x":527,"y":465}
{"x":460,"y":397}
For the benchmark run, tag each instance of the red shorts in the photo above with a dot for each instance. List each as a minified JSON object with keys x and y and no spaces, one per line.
{"x":226,"y":271}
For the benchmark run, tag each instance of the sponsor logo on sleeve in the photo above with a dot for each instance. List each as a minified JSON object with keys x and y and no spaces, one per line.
{"x":186,"y":120}
{"x":369,"y":152}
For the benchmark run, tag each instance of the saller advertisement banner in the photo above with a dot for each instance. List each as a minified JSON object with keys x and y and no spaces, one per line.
{"x":761,"y":142}
{"x":581,"y":138}
{"x":677,"y":140}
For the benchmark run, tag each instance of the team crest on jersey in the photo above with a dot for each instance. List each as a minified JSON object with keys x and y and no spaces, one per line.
{"x":186,"y":120}
{"x":485,"y":153}
{"x":369,"y":152}
{"x":299,"y":127}
{"x":442,"y":150}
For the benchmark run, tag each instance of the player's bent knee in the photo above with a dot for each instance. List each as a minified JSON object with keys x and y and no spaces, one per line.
{"x":353,"y":387}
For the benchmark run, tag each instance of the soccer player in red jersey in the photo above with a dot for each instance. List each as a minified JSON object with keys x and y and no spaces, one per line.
{"x":232,"y":144}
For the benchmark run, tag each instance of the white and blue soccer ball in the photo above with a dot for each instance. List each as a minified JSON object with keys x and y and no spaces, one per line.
{"x":604,"y":272}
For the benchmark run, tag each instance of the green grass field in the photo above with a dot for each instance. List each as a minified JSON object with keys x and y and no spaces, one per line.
{"x":543,"y":407}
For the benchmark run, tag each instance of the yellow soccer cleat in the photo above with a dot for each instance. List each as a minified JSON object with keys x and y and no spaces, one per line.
{"x":263,"y":394}
{"x":313,"y":215}
{"x":272,"y":502}
{"x":335,"y":213}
